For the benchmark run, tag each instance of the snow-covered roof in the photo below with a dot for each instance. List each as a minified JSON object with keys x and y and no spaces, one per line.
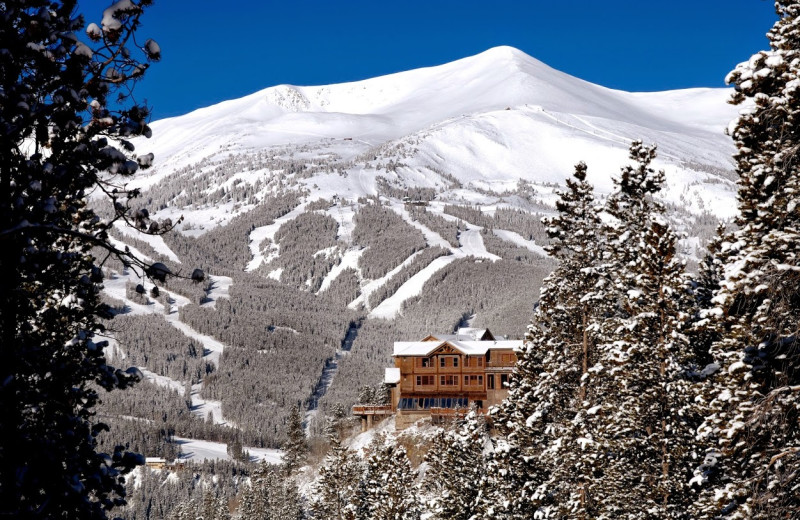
{"x":392,"y":376}
{"x":464,"y":334}
{"x":469,"y":348}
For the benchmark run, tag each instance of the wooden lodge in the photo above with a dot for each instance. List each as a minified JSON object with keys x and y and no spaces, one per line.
{"x":442,"y":375}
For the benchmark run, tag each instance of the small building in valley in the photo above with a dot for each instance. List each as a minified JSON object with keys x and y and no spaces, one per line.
{"x":443,"y":375}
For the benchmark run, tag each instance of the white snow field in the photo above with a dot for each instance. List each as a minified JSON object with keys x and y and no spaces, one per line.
{"x":471,"y":130}
{"x":488,"y":119}
{"x":197,"y":450}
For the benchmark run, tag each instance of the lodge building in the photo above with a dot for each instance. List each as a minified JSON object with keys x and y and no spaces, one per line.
{"x":444,"y":374}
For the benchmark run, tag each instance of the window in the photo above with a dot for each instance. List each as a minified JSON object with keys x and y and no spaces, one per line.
{"x":425,"y":380}
{"x":490,"y":381}
{"x":473,"y":381}
{"x":448,"y":361}
{"x":474,"y":361}
{"x":448,"y":380}
{"x":503,"y":380}
{"x":425,"y":362}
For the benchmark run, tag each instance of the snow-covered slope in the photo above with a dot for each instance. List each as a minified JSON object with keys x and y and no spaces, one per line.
{"x":276,"y":185}
{"x":488,"y":120}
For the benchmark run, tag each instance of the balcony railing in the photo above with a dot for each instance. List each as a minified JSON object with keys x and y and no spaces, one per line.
{"x":371,"y":409}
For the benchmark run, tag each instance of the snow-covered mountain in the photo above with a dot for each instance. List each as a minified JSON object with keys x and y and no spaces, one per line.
{"x":293,"y":199}
{"x":487,"y":120}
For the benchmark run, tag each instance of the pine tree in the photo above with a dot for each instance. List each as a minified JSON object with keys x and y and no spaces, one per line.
{"x":752,"y":427}
{"x":290,"y":506}
{"x":547,"y":382}
{"x":338,"y":478}
{"x":259,"y":505}
{"x":703,"y":329}
{"x":221,"y":510}
{"x":389,"y":485}
{"x":247,"y":507}
{"x":637,"y":426}
{"x":456,"y":467}
{"x":296,"y":448}
{"x":66,"y":115}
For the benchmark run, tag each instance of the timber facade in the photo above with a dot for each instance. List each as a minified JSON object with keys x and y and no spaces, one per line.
{"x":442,"y":376}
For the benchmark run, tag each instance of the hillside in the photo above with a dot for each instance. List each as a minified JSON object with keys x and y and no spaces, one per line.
{"x":293,"y":200}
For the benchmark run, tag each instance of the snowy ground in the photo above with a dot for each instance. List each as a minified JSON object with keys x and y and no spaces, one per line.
{"x":197,"y":450}
{"x":220,"y":288}
{"x":115,"y":287}
{"x":517,"y":239}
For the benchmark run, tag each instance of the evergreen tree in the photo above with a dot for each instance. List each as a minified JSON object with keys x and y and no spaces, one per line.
{"x":455,"y":469}
{"x":262,"y":484}
{"x":290,"y":506}
{"x":752,"y":427}
{"x":66,"y":112}
{"x":338,"y":478}
{"x":389,"y":484}
{"x":222,"y":511}
{"x":296,"y":448}
{"x":247,"y":507}
{"x":703,"y":330}
{"x":597,"y":415}
{"x":547,"y":383}
{"x":636,"y":427}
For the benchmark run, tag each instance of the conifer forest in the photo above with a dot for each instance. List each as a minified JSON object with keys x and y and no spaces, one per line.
{"x":185,"y":333}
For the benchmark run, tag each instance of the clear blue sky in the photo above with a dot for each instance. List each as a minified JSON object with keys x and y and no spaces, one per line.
{"x":218,"y":50}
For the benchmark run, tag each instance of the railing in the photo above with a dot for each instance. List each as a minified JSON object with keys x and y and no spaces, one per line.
{"x":372,"y":409}
{"x":449,"y":412}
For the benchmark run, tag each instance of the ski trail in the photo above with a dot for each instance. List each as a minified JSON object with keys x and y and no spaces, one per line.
{"x":375,"y":284}
{"x":517,"y":239}
{"x":391,"y":306}
{"x":212,"y":348}
{"x":328,"y":373}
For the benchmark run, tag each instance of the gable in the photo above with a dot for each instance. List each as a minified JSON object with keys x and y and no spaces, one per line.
{"x":445,"y":348}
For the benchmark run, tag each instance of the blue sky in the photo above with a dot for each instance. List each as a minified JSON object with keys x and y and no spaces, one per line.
{"x":213,"y":51}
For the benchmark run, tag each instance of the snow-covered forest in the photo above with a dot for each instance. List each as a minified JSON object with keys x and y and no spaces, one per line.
{"x":217,"y":307}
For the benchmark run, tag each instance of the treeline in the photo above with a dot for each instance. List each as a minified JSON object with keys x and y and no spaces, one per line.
{"x":388,"y":238}
{"x":149,"y":413}
{"x":149,"y":341}
{"x":308,"y":250}
{"x":207,"y":490}
{"x":526,"y":224}
{"x":225,"y":250}
{"x":447,"y":229}
{"x":277,"y":341}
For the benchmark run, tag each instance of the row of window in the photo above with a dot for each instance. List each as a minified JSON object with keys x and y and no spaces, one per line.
{"x":471,"y":380}
{"x":424,"y":403}
{"x":451,"y":361}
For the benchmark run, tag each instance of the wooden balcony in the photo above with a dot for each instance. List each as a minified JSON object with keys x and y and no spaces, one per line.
{"x":370,"y":409}
{"x":371,"y":413}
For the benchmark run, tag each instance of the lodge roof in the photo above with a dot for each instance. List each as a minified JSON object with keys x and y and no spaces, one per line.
{"x":463,"y":334}
{"x":469,"y":348}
